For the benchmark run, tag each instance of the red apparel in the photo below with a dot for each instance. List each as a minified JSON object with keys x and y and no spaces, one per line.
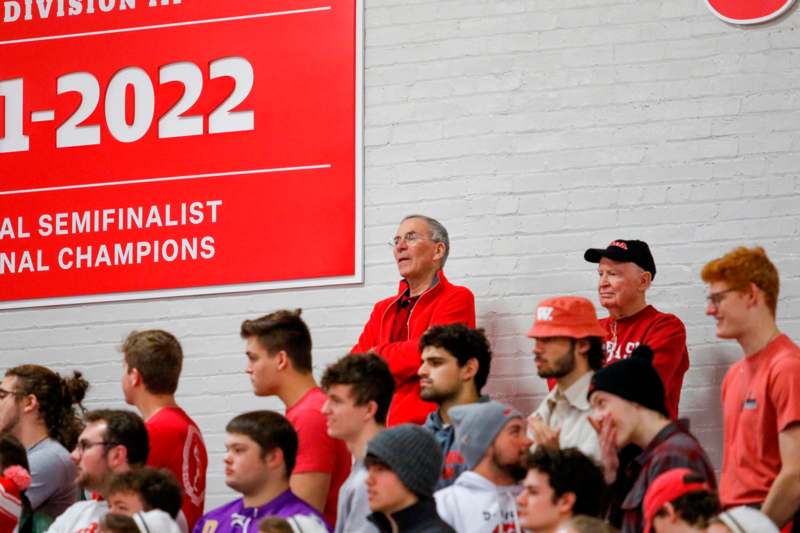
{"x":665,"y":334}
{"x":443,"y":303}
{"x":317,"y":451}
{"x":760,"y":398}
{"x":177,"y":445}
{"x":10,"y":505}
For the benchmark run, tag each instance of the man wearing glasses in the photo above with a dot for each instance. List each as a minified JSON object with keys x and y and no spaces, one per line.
{"x":761,"y":392}
{"x":424,"y":298}
{"x":112,"y":442}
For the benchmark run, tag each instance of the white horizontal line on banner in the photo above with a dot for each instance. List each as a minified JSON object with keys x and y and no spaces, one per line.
{"x":168,"y":25}
{"x":167,"y":178}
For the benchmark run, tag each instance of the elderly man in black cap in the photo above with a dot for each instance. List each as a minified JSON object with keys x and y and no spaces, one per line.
{"x":626,"y":269}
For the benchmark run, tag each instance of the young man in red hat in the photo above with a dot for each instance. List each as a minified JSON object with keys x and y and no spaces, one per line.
{"x":568,"y":348}
{"x":626,"y":269}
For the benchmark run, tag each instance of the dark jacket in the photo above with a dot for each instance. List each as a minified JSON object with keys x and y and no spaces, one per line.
{"x":419,"y":518}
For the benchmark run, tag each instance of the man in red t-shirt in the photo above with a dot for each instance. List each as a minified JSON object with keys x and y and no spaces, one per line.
{"x":424,"y":298}
{"x":279,"y":364}
{"x":152,"y":366}
{"x":761,"y":392}
{"x":626,"y":269}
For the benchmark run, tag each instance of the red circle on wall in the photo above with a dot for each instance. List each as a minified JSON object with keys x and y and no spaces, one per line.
{"x":748,"y":11}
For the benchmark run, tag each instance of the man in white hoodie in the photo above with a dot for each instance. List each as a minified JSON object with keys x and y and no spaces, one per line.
{"x":493,"y":441}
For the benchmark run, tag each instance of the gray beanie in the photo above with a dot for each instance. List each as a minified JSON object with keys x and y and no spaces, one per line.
{"x":477,"y":425}
{"x":413,"y":455}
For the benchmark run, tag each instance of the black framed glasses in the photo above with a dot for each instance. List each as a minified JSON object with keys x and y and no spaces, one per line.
{"x":84,"y":445}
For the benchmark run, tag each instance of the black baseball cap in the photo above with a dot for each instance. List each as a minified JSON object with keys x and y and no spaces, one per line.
{"x":624,"y":251}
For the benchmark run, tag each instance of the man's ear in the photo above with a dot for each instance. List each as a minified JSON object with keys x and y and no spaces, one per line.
{"x":274,"y":458}
{"x":470,"y":369}
{"x":645,"y":280}
{"x":134,"y":377}
{"x":30,"y":403}
{"x":439,"y":249}
{"x":754,"y":295}
{"x":372,"y":408}
{"x":566,"y":502}
{"x":283,"y":360}
{"x":582,"y":346}
{"x":117,"y":456}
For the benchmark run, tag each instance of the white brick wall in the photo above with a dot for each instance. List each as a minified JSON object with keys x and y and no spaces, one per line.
{"x":533,"y":129}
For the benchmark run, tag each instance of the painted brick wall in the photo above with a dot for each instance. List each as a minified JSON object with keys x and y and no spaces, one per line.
{"x":533,"y":129}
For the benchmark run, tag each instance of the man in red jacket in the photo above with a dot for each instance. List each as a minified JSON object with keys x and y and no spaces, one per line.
{"x":424,"y":298}
{"x":626,"y":269}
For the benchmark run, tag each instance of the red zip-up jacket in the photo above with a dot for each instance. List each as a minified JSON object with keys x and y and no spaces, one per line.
{"x":443,"y":303}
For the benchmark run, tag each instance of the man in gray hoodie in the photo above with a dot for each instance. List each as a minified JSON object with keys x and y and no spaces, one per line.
{"x":493,"y":441}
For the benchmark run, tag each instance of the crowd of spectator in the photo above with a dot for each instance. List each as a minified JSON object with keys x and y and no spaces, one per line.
{"x":399,"y":437}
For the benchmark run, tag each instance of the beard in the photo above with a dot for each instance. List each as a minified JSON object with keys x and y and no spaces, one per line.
{"x":432,"y":394}
{"x":517,"y":471}
{"x":560,"y":367}
{"x":11,"y":423}
{"x":87,"y":481}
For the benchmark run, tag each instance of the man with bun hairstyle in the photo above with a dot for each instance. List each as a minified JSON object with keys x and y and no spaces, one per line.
{"x":37,"y":406}
{"x":403,"y":464}
{"x":456,"y":360}
{"x":761,"y":392}
{"x":626,"y":269}
{"x":568,"y":348}
{"x":628,"y":407}
{"x":152,"y":364}
{"x":424,"y":298}
{"x":679,"y":501}
{"x":493,"y":441}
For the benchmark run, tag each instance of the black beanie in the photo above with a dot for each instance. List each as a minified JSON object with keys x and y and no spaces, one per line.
{"x":633,"y":379}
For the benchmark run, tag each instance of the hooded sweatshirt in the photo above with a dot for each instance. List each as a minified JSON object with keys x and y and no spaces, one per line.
{"x":473,"y":504}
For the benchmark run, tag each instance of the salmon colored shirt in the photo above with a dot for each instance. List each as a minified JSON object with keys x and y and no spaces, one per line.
{"x":760,"y":398}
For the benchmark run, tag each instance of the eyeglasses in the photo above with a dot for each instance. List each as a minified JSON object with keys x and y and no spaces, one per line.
{"x":410,"y":238}
{"x":84,"y":445}
{"x":4,"y":393}
{"x":715,"y":298}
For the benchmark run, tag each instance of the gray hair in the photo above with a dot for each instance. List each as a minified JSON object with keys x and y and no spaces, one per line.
{"x":438,"y":233}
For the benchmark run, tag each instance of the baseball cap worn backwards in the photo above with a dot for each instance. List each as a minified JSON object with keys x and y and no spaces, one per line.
{"x":668,"y":487}
{"x":566,"y":316}
{"x":624,"y":251}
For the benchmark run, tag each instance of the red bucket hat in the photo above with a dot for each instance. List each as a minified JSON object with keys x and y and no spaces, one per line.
{"x":566,"y":316}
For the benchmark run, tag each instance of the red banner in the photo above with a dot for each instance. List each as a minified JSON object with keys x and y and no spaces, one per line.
{"x":168,"y":147}
{"x":748,"y":11}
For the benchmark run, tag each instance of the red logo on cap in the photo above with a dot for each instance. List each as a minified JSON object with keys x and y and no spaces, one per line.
{"x":619,"y":244}
{"x":506,"y":411}
{"x":748,"y":11}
